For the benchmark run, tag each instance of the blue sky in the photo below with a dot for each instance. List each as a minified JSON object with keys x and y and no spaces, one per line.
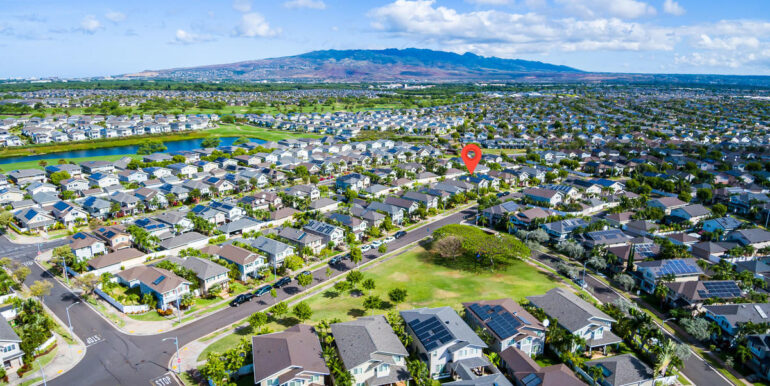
{"x":78,"y":38}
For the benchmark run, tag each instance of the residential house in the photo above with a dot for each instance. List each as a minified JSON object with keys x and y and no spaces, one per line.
{"x":508,"y":323}
{"x":441,"y":338}
{"x":755,"y":237}
{"x":114,"y":236}
{"x":302,"y":239}
{"x":292,"y":357}
{"x":85,"y":246}
{"x":68,"y":214}
{"x":164,"y":285}
{"x":33,"y":219}
{"x":275,"y":250}
{"x":692,"y":294}
{"x":667,"y":204}
{"x":371,"y":352}
{"x":524,"y":371}
{"x":209,"y":273}
{"x":578,"y":317}
{"x":248,"y":262}
{"x":328,"y":233}
{"x":117,"y":261}
{"x":560,"y":230}
{"x":692,"y":213}
{"x":627,"y":370}
{"x":724,"y":225}
{"x":96,"y":207}
{"x":650,"y":272}
{"x":544,"y":196}
{"x":10,"y":346}
{"x":730,"y":317}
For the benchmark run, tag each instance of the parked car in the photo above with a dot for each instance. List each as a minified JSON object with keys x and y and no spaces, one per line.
{"x":263,"y":290}
{"x":303,"y":273}
{"x":389,"y":240}
{"x":240,"y":299}
{"x":502,"y":194}
{"x":399,"y":234}
{"x":376,"y":243}
{"x":366,"y":248}
{"x":282,"y":282}
{"x":582,"y":284}
{"x":335,"y":260}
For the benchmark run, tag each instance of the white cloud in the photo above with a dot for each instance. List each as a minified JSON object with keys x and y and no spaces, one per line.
{"x":90,"y":24}
{"x":242,"y":5}
{"x":673,"y":8}
{"x":185,"y":37}
{"x":115,"y":17}
{"x":625,"y":9}
{"x":255,"y":25}
{"x":499,"y":33}
{"x":490,"y":2}
{"x":311,"y":4}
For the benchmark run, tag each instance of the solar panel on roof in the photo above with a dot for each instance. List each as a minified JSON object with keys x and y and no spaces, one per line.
{"x":158,"y":280}
{"x":531,"y":380}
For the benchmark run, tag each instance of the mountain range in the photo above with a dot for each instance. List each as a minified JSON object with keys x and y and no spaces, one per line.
{"x":388,"y":65}
{"x":417,"y":65}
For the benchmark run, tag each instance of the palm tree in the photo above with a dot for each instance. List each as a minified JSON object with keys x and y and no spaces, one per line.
{"x":743,"y":353}
{"x":661,"y":292}
{"x":666,"y":353}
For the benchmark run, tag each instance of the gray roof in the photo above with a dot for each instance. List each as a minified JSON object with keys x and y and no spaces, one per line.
{"x":358,"y":340}
{"x":183,"y":239}
{"x":623,"y":369}
{"x":238,"y":225}
{"x":297,"y":347}
{"x":572,"y":312}
{"x":449,"y":320}
{"x":741,"y":313}
{"x":6,"y":332}
{"x":203,"y":268}
{"x":270,"y":246}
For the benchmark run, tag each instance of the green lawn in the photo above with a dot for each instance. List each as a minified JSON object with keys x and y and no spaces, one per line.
{"x":151,"y":316}
{"x":36,"y":164}
{"x":34,"y":373}
{"x":230,"y":130}
{"x":428,"y":285}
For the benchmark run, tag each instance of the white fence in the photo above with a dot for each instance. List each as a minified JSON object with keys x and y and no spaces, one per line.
{"x":45,"y":344}
{"x":122,"y":308}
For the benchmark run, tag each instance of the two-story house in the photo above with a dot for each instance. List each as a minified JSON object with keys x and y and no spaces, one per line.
{"x":275,"y":250}
{"x":371,"y":351}
{"x":302,"y":239}
{"x":166,"y":286}
{"x":247,"y":261}
{"x":441,"y":339}
{"x":650,"y":272}
{"x":578,"y":317}
{"x":209,"y":273}
{"x":10,"y":346}
{"x":508,"y":323}
{"x":328,"y":233}
{"x":85,"y":246}
{"x":731,"y":316}
{"x":292,"y":357}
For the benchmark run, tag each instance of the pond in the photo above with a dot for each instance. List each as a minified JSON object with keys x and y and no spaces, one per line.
{"x":187,"y":144}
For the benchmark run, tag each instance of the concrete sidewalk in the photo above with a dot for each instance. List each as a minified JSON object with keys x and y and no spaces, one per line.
{"x":67,"y":356}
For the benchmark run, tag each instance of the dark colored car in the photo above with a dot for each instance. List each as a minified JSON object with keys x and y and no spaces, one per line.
{"x":303,"y":273}
{"x":399,"y":234}
{"x":335,"y":260}
{"x":263,"y":290}
{"x":240,"y":299}
{"x":502,"y":194}
{"x":282,"y":282}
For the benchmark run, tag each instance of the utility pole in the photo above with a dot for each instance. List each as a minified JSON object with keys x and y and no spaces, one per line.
{"x":178,"y":358}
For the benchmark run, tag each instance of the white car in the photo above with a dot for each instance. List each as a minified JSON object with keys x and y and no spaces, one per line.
{"x":376,"y":243}
{"x":389,"y":240}
{"x":366,"y":248}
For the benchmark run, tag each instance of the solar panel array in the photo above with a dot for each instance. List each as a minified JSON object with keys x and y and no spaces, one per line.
{"x":677,"y":267}
{"x":644,"y":250}
{"x":720,"y":289}
{"x":502,"y":322}
{"x":531,"y":380}
{"x":158,"y":280}
{"x":431,"y":332}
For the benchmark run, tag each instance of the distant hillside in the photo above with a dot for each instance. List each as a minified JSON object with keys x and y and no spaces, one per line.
{"x":387,"y":65}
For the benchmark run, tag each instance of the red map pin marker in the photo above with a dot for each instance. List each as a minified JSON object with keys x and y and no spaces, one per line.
{"x":471,"y":162}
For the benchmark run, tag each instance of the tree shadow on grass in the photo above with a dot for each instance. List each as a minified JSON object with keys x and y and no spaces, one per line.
{"x":386,"y":305}
{"x":356,"y":312}
{"x":331,"y":294}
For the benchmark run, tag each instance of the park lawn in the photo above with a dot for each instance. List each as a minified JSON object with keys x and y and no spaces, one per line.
{"x":232,"y":130}
{"x":36,"y":164}
{"x":427,"y":285}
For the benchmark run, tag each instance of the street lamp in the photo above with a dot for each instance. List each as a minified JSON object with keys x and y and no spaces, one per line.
{"x":41,"y":371}
{"x":69,"y":322}
{"x":178,"y":359}
{"x":178,"y":308}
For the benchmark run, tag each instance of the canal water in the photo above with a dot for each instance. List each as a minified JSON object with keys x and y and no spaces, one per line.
{"x":187,"y":144}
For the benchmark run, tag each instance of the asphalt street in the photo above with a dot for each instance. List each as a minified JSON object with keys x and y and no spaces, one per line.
{"x":695,"y":368}
{"x":115,"y":358}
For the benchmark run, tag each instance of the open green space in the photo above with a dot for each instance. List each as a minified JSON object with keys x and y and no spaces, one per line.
{"x":428,"y":285}
{"x":234,"y":130}
{"x":36,"y":164}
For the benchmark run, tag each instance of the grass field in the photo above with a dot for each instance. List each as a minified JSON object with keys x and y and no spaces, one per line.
{"x":427,"y":284}
{"x":36,"y":164}
{"x":230,"y":130}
